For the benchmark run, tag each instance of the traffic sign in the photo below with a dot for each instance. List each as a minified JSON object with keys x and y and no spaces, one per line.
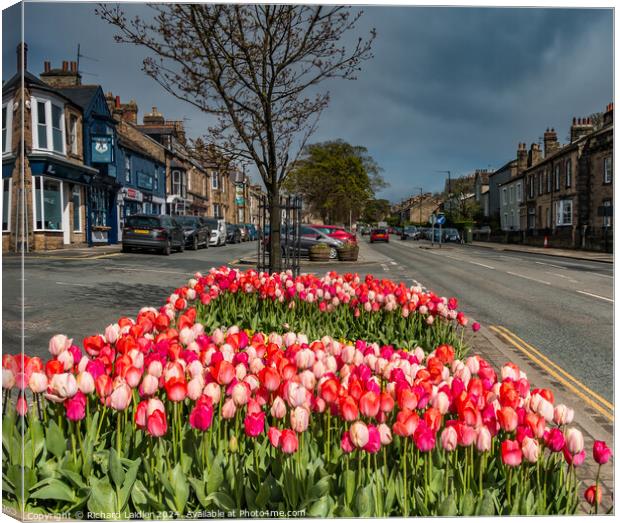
{"x":432,"y":219}
{"x":441,"y":219}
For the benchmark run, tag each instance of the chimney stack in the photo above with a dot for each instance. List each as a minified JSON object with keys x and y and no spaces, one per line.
{"x":550,"y":139}
{"x":117,"y":102}
{"x":608,"y":117}
{"x":66,"y":76}
{"x":534,"y":156}
{"x":21,"y":69}
{"x":74,"y":67}
{"x":580,"y":127}
{"x":521,"y":158}
{"x":46,"y":67}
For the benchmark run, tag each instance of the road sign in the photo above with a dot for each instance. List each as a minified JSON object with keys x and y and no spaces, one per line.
{"x":432,"y":219}
{"x":441,"y":219}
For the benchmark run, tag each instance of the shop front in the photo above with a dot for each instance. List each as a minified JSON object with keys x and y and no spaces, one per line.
{"x":129,"y":202}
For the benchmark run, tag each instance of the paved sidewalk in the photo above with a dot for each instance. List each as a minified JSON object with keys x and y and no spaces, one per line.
{"x":70,"y":252}
{"x":566,"y":253}
{"x":593,"y":425}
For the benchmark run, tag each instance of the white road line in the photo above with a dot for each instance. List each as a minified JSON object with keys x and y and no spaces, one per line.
{"x":385,"y":267}
{"x":528,"y":278}
{"x":69,"y":283}
{"x":550,"y":265}
{"x":144,"y":270}
{"x":601,"y":275}
{"x":393,"y":262}
{"x":595,"y":296}
{"x":562,"y":276}
{"x":481,"y":264}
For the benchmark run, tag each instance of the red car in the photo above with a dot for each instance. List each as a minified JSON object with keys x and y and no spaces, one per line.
{"x":336,"y":232}
{"x":379,"y":235}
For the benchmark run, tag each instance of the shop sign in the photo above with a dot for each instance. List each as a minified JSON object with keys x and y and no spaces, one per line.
{"x":145,"y":180}
{"x":133,"y":194}
{"x":101,"y":149}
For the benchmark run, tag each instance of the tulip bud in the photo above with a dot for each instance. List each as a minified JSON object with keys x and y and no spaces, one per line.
{"x":233,"y":445}
{"x":483,"y":440}
{"x":574,"y":440}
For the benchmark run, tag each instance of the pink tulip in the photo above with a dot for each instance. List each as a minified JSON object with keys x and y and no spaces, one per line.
{"x":511,"y":453}
{"x":76,"y":407}
{"x":112,"y":332}
{"x":22,"y":406}
{"x":288,"y":441}
{"x":483,"y":440}
{"x":295,"y":394}
{"x":133,"y":376}
{"x":449,"y":439}
{"x":299,"y":417}
{"x":274,"y":436}
{"x":562,"y":415}
{"x":155,"y":368}
{"x":254,"y":424}
{"x":213,"y":391}
{"x":8,"y":379}
{"x":241,"y":394}
{"x":385,"y":434}
{"x":359,"y":434}
{"x":149,"y":385}
{"x":554,"y":439}
{"x":601,"y":452}
{"x":38,"y":382}
{"x":278,"y":408}
{"x":201,"y":415}
{"x":424,"y":437}
{"x":229,"y":409}
{"x":346,"y":444}
{"x":374,"y":440}
{"x":61,"y":387}
{"x":574,"y":440}
{"x":156,"y":424}
{"x":531,"y":449}
{"x":66,"y":358}
{"x":59,"y":343}
{"x":574,"y":460}
{"x":120,"y":397}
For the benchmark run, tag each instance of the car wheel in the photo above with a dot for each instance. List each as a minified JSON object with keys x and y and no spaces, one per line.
{"x":167,"y":248}
{"x":333,"y":253}
{"x":195,"y":243}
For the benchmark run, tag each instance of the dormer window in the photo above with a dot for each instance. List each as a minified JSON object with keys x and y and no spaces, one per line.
{"x":49,"y":122}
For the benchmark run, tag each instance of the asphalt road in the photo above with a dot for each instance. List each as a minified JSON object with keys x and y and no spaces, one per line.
{"x":561,"y":306}
{"x":80,"y":297}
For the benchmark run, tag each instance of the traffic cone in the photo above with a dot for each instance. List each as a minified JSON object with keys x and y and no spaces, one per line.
{"x":546,"y":244}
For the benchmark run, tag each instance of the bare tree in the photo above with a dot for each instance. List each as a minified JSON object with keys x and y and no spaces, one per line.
{"x":254,"y":68}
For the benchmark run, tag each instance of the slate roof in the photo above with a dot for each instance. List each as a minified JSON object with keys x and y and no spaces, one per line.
{"x":81,"y":95}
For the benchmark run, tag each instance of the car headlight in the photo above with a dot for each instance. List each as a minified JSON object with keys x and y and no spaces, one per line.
{"x":187,"y":233}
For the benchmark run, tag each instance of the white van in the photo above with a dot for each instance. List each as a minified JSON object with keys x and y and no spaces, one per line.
{"x":218,"y":231}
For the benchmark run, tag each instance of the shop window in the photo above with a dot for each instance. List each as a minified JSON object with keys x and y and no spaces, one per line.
{"x":607,"y":170}
{"x":6,"y":204}
{"x":564,"y":212}
{"x":7,"y":127}
{"x":47,"y":204}
{"x":48,"y":119}
{"x":76,"y":198}
{"x":99,"y":207}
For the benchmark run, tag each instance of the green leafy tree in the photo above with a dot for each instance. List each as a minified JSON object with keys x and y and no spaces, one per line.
{"x":375,"y":210}
{"x":336,"y":180}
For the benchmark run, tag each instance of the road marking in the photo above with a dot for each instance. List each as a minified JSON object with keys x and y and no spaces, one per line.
{"x":595,"y":296}
{"x":550,"y":265}
{"x":527,"y":277}
{"x":69,"y":283}
{"x":562,"y":276}
{"x":144,"y":270}
{"x":512,"y":338}
{"x":385,"y":267}
{"x":601,"y":275}
{"x":393,"y":262}
{"x":481,"y":264}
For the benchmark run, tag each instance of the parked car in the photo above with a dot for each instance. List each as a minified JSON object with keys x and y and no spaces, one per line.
{"x":233,"y":233}
{"x":379,"y":235}
{"x":252,"y":232}
{"x":310,"y":236}
{"x":218,"y":230}
{"x":334,"y":231}
{"x":410,"y":232}
{"x":197,"y":231}
{"x":365,"y":231}
{"x":451,"y":235}
{"x":146,"y":231}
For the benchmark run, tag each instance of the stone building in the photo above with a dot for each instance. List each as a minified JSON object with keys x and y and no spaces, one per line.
{"x":416,"y":209}
{"x":510,"y":202}
{"x":46,"y":207}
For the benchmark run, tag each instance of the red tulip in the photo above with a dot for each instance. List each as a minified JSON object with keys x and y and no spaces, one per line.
{"x":201,"y":415}
{"x":346,"y":444}
{"x":507,"y":418}
{"x":288,"y":441}
{"x":554,"y":439}
{"x":269,"y":378}
{"x":156,"y":424}
{"x":424,"y":438}
{"x":274,"y":436}
{"x":592,"y":492}
{"x":369,"y":404}
{"x":254,"y":424}
{"x":511,"y":453}
{"x":176,"y":389}
{"x":348,"y":408}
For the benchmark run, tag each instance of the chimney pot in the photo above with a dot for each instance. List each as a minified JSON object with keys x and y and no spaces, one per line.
{"x":46,"y":66}
{"x":117,"y":102}
{"x":74,"y":67}
{"x":65,"y":65}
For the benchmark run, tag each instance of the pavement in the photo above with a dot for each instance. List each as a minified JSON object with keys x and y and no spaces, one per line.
{"x":547,"y":251}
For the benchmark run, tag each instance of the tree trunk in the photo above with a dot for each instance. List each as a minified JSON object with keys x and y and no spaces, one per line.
{"x":275,"y":219}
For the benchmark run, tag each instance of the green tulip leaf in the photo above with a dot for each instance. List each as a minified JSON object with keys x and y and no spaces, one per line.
{"x":362,"y":502}
{"x":215,"y":477}
{"x":55,"y":440}
{"x":222,"y":500}
{"x":486,"y":505}
{"x":447,"y":507}
{"x":199,"y":489}
{"x":319,"y":489}
{"x":74,"y":477}
{"x":102,"y":498}
{"x":320,"y":508}
{"x":181,"y":488}
{"x":348,"y":479}
{"x":116,"y":469}
{"x":55,"y":489}
{"x":468,"y":504}
{"x":130,"y":479}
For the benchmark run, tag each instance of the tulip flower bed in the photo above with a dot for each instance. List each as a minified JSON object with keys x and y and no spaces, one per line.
{"x":167,"y":415}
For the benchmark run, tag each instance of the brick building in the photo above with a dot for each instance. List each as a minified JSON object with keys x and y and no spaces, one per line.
{"x":46,"y":208}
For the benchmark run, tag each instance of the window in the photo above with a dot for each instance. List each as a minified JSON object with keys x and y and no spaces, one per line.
{"x":549,"y":181}
{"x":564,"y":212}
{"x":99,"y":206}
{"x":531,"y":218}
{"x":512,"y":194}
{"x":504,"y":196}
{"x":73,"y":136}
{"x":156,"y":180}
{"x":217,"y":210}
{"x":76,"y":198}
{"x":128,"y":168}
{"x":608,"y":212}
{"x":531,"y":185}
{"x":569,"y":174}
{"x":7,"y":127}
{"x":519,"y":193}
{"x":179,"y":183}
{"x":6,"y":204}
{"x":607,"y":170}
{"x":505,"y":220}
{"x":215,"y":180}
{"x":556,"y":178}
{"x":548,"y":217}
{"x":204,"y":185}
{"x":48,"y":119}
{"x":47,"y":204}
{"x":540,"y":183}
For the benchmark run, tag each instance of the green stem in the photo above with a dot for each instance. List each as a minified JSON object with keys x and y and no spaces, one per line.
{"x":405,"y":492}
{"x":598,"y":475}
{"x":509,"y":486}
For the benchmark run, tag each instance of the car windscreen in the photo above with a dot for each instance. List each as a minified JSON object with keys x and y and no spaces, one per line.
{"x":143,"y":221}
{"x":211,"y":222}
{"x":187,"y":220}
{"x":451,"y":231}
{"x":379,"y":231}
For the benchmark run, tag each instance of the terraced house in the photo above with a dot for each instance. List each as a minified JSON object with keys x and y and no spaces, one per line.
{"x":45,"y":191}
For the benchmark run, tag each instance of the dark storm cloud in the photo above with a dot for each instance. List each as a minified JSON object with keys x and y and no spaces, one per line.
{"x":449,"y":88}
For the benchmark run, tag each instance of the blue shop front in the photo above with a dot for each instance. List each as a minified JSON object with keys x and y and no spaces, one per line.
{"x":100,"y":152}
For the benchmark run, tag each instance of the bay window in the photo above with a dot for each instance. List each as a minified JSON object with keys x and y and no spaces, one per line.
{"x":7,"y":126}
{"x":5,"y":204}
{"x":49,"y":122}
{"x":47,"y":204}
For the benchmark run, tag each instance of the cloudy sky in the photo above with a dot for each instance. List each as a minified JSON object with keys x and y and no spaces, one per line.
{"x":448,"y":89}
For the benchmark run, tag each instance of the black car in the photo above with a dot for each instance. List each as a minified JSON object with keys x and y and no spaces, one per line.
{"x":197,"y":231}
{"x":145,"y":231}
{"x":233,"y":234}
{"x":451,"y":235}
{"x":410,"y":232}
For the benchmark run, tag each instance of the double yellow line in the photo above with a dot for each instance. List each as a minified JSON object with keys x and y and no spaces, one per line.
{"x":593,"y":399}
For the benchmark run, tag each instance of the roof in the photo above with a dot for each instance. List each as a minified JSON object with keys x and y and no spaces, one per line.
{"x":29,"y":79}
{"x":81,"y":95}
{"x":514,"y":179}
{"x":562,"y":150}
{"x":504,"y":167}
{"x":127,"y":143}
